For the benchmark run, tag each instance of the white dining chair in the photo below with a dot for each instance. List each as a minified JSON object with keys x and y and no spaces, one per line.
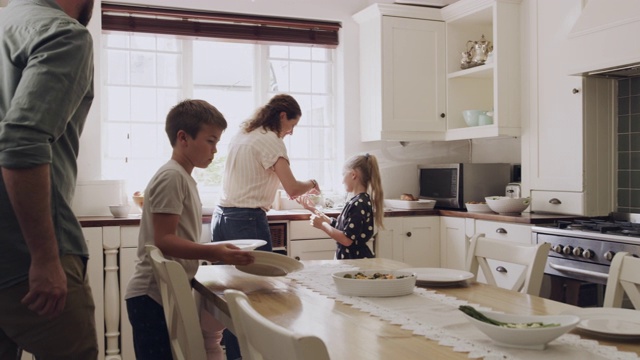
{"x":180,"y":311}
{"x":532,"y":257}
{"x":261,"y":339}
{"x":624,"y":277}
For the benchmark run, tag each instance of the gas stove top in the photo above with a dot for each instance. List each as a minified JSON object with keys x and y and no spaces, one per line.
{"x":616,"y":227}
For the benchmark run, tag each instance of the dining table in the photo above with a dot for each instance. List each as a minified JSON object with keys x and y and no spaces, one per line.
{"x":380,"y":328}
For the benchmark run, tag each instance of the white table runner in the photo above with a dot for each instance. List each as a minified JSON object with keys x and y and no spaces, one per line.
{"x":437,"y":317}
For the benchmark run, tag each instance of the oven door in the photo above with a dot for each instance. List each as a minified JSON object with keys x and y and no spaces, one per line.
{"x":572,"y":269}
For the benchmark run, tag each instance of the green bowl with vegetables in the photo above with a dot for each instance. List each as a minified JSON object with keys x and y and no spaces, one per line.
{"x":520,"y":331}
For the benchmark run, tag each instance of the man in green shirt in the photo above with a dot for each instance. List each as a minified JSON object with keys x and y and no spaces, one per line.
{"x":46,"y":90}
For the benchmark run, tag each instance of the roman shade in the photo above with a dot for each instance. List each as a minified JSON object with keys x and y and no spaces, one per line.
{"x":221,"y":25}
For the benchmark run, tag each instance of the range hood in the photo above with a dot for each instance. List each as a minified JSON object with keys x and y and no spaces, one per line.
{"x":604,"y":39}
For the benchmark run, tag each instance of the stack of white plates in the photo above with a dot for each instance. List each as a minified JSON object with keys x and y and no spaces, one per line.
{"x":244,"y":244}
{"x":439,"y":276}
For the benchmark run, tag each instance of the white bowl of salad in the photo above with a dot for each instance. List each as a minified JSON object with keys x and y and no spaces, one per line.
{"x":377,"y":283}
{"x":520,"y":331}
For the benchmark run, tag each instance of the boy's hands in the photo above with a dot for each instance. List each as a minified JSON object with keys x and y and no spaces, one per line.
{"x":230,"y":255}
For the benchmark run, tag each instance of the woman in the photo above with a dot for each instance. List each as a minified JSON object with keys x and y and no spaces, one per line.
{"x":256,"y":166}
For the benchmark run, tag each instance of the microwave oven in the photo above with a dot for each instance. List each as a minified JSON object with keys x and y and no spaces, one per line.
{"x":453,"y":185}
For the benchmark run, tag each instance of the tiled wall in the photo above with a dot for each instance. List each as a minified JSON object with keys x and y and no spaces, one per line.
{"x":629,"y":145}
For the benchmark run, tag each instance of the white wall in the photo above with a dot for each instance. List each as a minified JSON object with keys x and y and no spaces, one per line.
{"x":394,"y":158}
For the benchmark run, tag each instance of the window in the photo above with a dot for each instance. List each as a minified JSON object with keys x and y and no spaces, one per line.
{"x":146,"y":74}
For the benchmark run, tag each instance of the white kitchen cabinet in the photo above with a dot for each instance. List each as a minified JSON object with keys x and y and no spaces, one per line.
{"x":567,"y":156}
{"x":309,"y":243}
{"x":402,"y":73}
{"x":455,"y":233}
{"x":414,"y":240}
{"x":506,"y":274}
{"x":494,"y":86}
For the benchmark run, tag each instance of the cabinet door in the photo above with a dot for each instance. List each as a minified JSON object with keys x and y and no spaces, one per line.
{"x":421,"y":241}
{"x":387,"y":243}
{"x":413,"y":75}
{"x":128,"y":260}
{"x":453,"y":243}
{"x":95,"y":271}
{"x":312,"y":249}
{"x":557,"y":161}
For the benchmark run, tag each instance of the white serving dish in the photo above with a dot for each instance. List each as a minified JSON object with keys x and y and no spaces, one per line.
{"x":439,"y":276}
{"x":614,"y":323}
{"x":421,"y":204}
{"x":507,"y":205}
{"x":478,"y":208}
{"x":375,"y":287}
{"x":527,"y":338}
{"x":119,"y":211}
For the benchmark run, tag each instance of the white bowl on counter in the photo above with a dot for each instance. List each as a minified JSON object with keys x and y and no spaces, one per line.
{"x":478,"y":207}
{"x":507,"y":205}
{"x":119,"y":211}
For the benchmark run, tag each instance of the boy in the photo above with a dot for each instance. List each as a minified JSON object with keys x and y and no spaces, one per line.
{"x":172,"y":221}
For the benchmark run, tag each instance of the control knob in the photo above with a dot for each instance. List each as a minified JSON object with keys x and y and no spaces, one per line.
{"x":567,"y":250}
{"x":557,"y":248}
{"x":577,"y":251}
{"x":587,"y":254}
{"x":609,"y":255}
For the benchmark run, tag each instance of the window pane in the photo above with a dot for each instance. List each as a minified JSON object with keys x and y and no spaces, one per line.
{"x":276,"y":51}
{"x":144,"y":142}
{"x":169,"y":70}
{"x":321,"y":78}
{"x":300,"y":77}
{"x":143,"y":42}
{"x":117,"y":142}
{"x":143,"y":105}
{"x":301,"y":53}
{"x":117,"y":65}
{"x":118,"y":103}
{"x":169,"y":43}
{"x":167,"y":98}
{"x":222,"y":64}
{"x":320,"y":54}
{"x":280,"y":75}
{"x":117,"y":40}
{"x":143,"y":68}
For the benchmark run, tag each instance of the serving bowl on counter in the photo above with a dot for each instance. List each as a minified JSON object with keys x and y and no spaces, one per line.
{"x":119,"y":211}
{"x":478,"y":207}
{"x":403,"y":283}
{"x":534,"y":338}
{"x":507,"y":205}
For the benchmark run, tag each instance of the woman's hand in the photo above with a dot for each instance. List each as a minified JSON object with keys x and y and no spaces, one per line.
{"x":306,"y":203}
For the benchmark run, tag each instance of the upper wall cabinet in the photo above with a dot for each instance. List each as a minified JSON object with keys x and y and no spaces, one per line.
{"x":412,"y":86}
{"x":493,"y":86}
{"x":402,"y":73}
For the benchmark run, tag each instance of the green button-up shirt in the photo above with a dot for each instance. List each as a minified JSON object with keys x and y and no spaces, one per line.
{"x":46,"y":90}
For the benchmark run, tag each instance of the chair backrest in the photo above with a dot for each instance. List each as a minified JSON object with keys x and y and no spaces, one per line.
{"x":180,"y":312}
{"x":532,"y":257}
{"x":261,"y":339}
{"x":624,"y":277}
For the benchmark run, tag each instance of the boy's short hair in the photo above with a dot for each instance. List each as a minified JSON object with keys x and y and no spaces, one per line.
{"x":189,"y":115}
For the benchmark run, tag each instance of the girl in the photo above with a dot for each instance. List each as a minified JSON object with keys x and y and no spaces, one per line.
{"x":354,"y":227}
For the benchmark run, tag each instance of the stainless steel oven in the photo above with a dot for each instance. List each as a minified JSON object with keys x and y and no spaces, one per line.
{"x":582,"y":250}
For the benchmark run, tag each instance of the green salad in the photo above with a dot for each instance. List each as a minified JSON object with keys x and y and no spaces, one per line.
{"x":471,"y":311}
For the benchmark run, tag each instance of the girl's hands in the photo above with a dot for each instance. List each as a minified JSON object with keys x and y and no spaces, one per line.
{"x":317,"y":220}
{"x":306,"y":203}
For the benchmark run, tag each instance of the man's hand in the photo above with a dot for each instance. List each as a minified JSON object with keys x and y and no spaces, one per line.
{"x":47,"y":289}
{"x":232,"y":255}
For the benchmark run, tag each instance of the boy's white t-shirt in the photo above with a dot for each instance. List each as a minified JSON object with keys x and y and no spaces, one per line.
{"x":171,"y":191}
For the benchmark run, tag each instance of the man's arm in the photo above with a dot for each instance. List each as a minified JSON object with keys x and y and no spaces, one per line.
{"x":29,"y":191}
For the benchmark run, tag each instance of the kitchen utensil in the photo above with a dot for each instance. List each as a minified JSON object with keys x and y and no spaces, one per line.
{"x":513,"y":190}
{"x":375,"y":287}
{"x":119,"y":211}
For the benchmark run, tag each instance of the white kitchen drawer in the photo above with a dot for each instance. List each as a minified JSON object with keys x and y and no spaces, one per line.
{"x":558,"y":202}
{"x":504,"y":231}
{"x":129,"y":236}
{"x":301,"y":229}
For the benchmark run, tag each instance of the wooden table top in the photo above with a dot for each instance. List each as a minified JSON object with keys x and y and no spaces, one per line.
{"x":350,"y":333}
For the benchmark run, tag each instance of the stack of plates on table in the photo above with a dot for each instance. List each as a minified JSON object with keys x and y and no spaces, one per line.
{"x":270,"y":264}
{"x":244,"y":244}
{"x":439,"y":276}
{"x":615,"y":323}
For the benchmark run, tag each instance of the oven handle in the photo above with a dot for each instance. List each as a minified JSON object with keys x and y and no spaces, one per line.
{"x":578,"y":271}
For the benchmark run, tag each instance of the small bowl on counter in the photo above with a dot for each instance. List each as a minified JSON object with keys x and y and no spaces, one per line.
{"x":478,"y":207}
{"x":507,"y":205}
{"x":119,"y":211}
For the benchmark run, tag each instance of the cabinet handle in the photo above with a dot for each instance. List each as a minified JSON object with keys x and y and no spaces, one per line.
{"x":501,"y":269}
{"x":297,"y":258}
{"x":501,"y":231}
{"x":555,"y":201}
{"x":575,"y":91}
{"x":443,"y":115}
{"x":409,"y":234}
